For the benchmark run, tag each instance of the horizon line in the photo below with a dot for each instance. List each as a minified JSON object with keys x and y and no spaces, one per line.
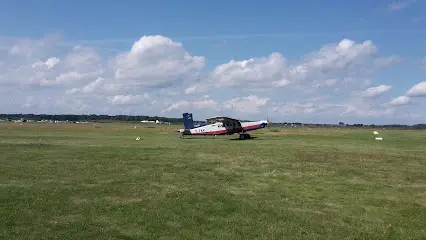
{"x":89,"y":114}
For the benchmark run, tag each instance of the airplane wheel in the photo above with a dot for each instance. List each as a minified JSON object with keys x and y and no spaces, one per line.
{"x":245,"y":136}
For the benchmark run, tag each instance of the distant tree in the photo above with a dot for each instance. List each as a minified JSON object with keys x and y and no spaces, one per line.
{"x":91,"y":117}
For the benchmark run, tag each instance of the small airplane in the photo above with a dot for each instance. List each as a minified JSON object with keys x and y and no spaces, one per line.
{"x":220,"y":126}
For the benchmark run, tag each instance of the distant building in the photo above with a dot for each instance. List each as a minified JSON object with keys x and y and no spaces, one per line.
{"x":154,"y":122}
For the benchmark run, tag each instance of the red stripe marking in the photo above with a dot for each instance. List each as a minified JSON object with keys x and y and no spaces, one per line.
{"x":219,"y":132}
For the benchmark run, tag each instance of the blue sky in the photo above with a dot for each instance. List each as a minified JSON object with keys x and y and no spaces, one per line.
{"x":386,"y":53}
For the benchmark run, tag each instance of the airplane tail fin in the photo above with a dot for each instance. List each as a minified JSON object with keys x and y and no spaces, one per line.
{"x":188,"y":122}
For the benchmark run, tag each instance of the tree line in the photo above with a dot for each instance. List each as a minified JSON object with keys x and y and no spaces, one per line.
{"x":88,"y":118}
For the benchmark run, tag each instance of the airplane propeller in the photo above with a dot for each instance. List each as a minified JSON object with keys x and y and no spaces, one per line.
{"x":267,"y":121}
{"x":266,"y":124}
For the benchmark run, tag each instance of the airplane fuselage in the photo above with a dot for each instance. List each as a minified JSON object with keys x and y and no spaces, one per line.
{"x":220,"y":128}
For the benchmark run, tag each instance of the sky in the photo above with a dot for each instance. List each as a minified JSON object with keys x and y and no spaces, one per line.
{"x":288,"y":61}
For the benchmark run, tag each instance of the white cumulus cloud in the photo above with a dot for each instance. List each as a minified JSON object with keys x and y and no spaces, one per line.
{"x":130,"y":99}
{"x":345,"y":62}
{"x":157,"y":74}
{"x":249,"y":104}
{"x":206,"y":103}
{"x":49,"y":63}
{"x":155,"y":61}
{"x":401,"y":100}
{"x":254,"y":72}
{"x":376,"y":91}
{"x":418,"y":90}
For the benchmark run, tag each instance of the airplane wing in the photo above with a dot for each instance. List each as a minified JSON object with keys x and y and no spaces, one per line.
{"x":229,"y":123}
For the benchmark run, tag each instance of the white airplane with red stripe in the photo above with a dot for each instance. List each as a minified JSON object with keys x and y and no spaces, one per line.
{"x":220,"y":126}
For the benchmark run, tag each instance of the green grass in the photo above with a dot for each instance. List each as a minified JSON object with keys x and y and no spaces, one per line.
{"x":97,"y":182}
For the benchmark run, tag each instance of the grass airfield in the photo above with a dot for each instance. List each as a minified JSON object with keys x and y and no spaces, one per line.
{"x":85,"y":181}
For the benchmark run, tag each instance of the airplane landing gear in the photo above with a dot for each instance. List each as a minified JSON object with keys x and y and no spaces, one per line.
{"x":244,"y":136}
